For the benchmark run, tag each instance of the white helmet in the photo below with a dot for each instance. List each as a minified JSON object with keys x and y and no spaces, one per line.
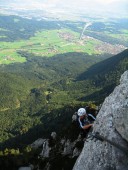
{"x":81,"y":112}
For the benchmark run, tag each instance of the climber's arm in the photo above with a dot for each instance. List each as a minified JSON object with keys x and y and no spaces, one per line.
{"x":87,"y":126}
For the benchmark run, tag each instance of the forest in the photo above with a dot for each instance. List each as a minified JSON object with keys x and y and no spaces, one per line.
{"x":39,"y":93}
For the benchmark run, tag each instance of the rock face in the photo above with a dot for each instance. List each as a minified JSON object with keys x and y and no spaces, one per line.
{"x":38,"y":143}
{"x":46,"y":149}
{"x":57,"y":153}
{"x":111,"y":122}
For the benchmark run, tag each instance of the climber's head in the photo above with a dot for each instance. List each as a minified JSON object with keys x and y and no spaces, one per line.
{"x":81,"y":112}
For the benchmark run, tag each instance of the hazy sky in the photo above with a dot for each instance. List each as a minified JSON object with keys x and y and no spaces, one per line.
{"x":117,"y":5}
{"x":100,"y":6}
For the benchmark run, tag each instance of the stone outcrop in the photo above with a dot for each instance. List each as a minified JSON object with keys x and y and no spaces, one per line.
{"x":30,"y":167}
{"x":24,"y":168}
{"x":46,"y":149}
{"x":38,"y":143}
{"x":111,"y":122}
{"x":65,"y":147}
{"x":56,"y":152}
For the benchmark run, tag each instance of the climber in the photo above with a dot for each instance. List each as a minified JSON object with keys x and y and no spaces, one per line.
{"x":83,"y":119}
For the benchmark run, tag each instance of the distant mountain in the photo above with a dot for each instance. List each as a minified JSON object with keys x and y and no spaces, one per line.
{"x":105,"y":75}
{"x":115,"y":63}
{"x":18,"y":28}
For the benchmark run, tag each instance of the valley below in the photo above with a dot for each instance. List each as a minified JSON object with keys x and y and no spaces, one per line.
{"x":48,"y":38}
{"x":56,"y":57}
{"x":49,"y":68}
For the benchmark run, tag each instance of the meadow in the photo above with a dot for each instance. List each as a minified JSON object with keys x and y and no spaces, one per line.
{"x":44,"y":38}
{"x":46,"y":43}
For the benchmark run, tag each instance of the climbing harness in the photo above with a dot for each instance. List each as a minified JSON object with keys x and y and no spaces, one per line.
{"x":97,"y":136}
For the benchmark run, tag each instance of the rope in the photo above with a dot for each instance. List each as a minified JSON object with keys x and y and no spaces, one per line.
{"x":102,"y":138}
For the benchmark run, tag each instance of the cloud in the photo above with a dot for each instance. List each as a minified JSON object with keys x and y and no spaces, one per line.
{"x":70,"y":3}
{"x":99,"y":6}
{"x":84,"y":4}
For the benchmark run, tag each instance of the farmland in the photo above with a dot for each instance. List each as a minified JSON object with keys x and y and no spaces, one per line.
{"x":49,"y":43}
{"x":46,"y":43}
{"x":47,"y":38}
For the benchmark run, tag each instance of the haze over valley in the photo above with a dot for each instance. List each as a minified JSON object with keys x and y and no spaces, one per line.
{"x":60,"y":9}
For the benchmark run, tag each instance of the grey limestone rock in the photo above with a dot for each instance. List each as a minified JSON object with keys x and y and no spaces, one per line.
{"x":68,"y":148}
{"x":38,"y":143}
{"x":24,"y":168}
{"x":46,"y":149}
{"x":76,"y":152}
{"x":30,"y":167}
{"x":53,"y":135}
{"x":111,"y":122}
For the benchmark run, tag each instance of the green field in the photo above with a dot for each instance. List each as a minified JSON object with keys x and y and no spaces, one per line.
{"x":123,"y":35}
{"x":46,"y":43}
{"x":59,"y":41}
